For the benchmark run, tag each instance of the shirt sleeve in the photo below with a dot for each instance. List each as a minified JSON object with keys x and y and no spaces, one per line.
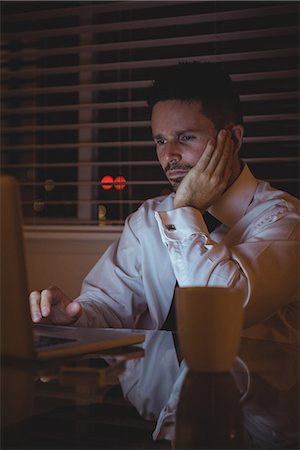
{"x":112,"y":293}
{"x":263,"y":260}
{"x":193,"y":253}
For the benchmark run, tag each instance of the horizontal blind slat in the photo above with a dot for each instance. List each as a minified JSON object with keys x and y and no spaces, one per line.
{"x":144,"y":64}
{"x":137,"y":104}
{"x":165,"y":42}
{"x":141,"y":84}
{"x":79,"y":10}
{"x":163,"y":22}
{"x":280,"y":159}
{"x":133,"y":124}
{"x":126,"y":144}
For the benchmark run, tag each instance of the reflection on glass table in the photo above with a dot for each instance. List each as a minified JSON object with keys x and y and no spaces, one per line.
{"x":254,"y":405}
{"x":147,"y":398}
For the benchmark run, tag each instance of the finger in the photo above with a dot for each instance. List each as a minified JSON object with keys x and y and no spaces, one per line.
{"x":47,"y":299}
{"x":59,"y":306}
{"x":206,"y":155}
{"x":52,"y":296}
{"x":219,"y":152}
{"x":225,"y":159}
{"x":34,"y":303}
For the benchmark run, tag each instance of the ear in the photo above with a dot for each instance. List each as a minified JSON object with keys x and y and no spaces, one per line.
{"x":237,"y":136}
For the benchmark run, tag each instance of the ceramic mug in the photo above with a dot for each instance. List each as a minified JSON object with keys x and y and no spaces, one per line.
{"x":209,"y":324}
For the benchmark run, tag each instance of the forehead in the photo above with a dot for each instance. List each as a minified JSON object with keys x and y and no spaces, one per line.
{"x":171,"y":115}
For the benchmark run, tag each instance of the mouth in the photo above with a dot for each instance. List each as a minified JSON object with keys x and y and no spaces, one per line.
{"x":176,"y":172}
{"x":175,"y":175}
{"x":175,"y":178}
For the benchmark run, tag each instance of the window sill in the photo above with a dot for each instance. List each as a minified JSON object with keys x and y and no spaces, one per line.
{"x":71,"y":232}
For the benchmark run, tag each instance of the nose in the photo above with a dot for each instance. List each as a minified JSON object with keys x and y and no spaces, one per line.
{"x":172,"y":152}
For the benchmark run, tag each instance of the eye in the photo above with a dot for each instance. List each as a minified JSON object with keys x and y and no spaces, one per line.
{"x":160,"y":141}
{"x":186,"y":137}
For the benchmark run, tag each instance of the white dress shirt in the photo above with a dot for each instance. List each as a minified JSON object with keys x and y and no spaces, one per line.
{"x":255,"y":249}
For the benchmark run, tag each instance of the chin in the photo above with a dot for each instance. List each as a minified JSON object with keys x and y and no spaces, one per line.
{"x":175,"y":184}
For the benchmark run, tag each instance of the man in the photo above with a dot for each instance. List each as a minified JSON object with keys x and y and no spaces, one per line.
{"x":198,"y":131}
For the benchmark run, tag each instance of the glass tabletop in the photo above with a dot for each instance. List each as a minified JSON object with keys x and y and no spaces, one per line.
{"x":146,"y":397}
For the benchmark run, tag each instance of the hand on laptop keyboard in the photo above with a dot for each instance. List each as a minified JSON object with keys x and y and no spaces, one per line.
{"x":53,"y":306}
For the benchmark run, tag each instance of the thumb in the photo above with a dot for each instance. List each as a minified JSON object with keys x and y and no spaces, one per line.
{"x":74,"y":310}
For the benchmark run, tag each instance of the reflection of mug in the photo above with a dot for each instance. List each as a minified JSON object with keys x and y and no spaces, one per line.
{"x":209,"y":323}
{"x":208,"y":413}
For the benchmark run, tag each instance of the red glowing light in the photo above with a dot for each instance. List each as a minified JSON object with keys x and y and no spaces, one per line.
{"x":120,"y":183}
{"x":107,"y":182}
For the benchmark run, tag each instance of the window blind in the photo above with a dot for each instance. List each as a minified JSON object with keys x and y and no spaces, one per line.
{"x":75,"y":124}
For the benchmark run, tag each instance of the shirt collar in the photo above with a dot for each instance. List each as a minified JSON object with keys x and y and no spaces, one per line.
{"x":233,"y":204}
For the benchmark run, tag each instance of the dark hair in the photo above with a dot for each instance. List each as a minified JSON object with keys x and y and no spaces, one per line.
{"x":203,"y":82}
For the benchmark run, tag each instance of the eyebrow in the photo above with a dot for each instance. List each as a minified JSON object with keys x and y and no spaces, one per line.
{"x":192,"y":130}
{"x":177,"y":133}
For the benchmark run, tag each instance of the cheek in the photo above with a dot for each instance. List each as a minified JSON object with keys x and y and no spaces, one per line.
{"x":159,"y":155}
{"x":195,"y":152}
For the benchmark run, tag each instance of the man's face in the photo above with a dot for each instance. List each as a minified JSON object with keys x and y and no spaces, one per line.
{"x":180,"y":131}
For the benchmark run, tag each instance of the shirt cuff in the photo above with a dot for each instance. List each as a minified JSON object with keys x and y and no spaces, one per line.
{"x":180,"y":223}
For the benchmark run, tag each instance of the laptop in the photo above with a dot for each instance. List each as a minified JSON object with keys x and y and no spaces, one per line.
{"x":20,"y":338}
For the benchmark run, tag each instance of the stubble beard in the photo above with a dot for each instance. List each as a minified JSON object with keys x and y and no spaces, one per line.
{"x":175,"y":182}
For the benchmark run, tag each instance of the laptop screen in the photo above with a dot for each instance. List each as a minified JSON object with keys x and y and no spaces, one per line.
{"x":16,"y":331}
